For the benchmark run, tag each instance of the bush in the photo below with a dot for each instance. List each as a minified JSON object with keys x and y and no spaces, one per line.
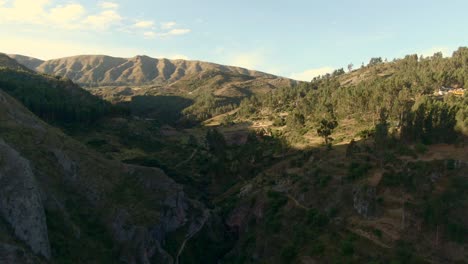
{"x":366,"y":133}
{"x":347,"y":248}
{"x":377,"y":233}
{"x":420,"y":148}
{"x":357,"y":170}
{"x":279,"y":121}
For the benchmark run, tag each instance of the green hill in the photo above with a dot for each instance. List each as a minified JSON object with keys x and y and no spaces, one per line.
{"x":52,"y":98}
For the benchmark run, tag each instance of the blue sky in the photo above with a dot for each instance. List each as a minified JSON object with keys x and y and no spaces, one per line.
{"x":296,"y":39}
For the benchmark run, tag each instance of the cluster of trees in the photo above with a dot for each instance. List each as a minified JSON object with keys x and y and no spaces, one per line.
{"x":430,"y":121}
{"x":394,"y":86}
{"x":55,"y":99}
{"x":207,"y":106}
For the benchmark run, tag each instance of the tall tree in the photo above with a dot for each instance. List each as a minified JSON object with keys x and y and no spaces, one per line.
{"x":327,"y":125}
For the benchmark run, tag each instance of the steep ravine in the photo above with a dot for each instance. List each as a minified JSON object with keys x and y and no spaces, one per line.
{"x":52,"y":186}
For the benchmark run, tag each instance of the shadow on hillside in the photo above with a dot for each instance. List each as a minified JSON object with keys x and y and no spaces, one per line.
{"x":164,"y":108}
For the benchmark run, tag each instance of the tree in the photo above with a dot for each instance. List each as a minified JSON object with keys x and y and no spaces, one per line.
{"x":350,"y":67}
{"x":351,"y":148}
{"x":381,"y":130}
{"x":295,"y":121}
{"x":215,"y":142}
{"x":327,"y":125}
{"x":375,"y":61}
{"x":338,"y":72}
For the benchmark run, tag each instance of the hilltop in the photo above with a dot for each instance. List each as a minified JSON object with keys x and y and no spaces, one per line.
{"x":29,"y":62}
{"x":7,"y":62}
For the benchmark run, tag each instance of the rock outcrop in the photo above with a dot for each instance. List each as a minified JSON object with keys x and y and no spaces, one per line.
{"x":21,"y":203}
{"x":364,"y":201}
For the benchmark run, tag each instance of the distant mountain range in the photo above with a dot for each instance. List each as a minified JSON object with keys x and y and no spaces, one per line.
{"x":105,"y":70}
{"x":213,"y":88}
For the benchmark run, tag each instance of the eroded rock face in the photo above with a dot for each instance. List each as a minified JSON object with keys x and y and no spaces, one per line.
{"x":364,"y":201}
{"x":70,"y":168}
{"x":20,"y":200}
{"x":144,"y":244}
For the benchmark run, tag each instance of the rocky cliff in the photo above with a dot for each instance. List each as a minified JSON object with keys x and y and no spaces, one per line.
{"x":56,"y":196}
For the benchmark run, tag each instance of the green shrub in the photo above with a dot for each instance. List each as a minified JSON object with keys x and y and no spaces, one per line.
{"x":366,"y":133}
{"x":318,"y":248}
{"x":347,"y":247}
{"x":377,"y":233}
{"x":358,"y":170}
{"x":420,"y":148}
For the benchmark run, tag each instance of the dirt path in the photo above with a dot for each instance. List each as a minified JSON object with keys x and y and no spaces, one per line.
{"x":296,"y":202}
{"x":187,"y":160}
{"x":191,"y":234}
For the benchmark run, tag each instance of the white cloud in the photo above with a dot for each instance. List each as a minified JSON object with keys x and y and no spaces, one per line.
{"x":179,"y":31}
{"x":103,"y":20}
{"x":48,"y":15}
{"x":66,"y":14}
{"x":149,"y":34}
{"x":309,"y":74}
{"x":144,"y":24}
{"x":108,"y":5}
{"x":24,"y":11}
{"x":168,"y":25}
{"x":174,"y":32}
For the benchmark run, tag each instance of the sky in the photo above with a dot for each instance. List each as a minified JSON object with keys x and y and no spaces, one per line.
{"x":299,"y":39}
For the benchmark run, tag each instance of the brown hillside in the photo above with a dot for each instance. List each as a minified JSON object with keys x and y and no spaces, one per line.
{"x":105,"y":70}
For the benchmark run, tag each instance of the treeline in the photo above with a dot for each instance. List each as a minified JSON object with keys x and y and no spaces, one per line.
{"x":403,"y":87}
{"x":56,"y":100}
{"x":430,"y":121}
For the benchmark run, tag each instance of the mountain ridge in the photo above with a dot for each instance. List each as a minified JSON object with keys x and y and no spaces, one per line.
{"x":140,"y":69}
{"x":7,"y":62}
